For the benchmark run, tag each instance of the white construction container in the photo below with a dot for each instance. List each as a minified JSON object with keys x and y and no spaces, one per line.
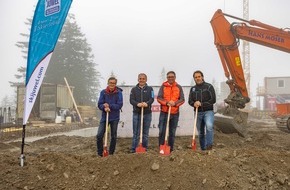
{"x":185,"y":124}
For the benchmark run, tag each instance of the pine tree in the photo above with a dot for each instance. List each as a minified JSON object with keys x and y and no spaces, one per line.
{"x":73,"y":59}
{"x":162,"y":76}
{"x":113,"y":74}
{"x":23,"y":45}
{"x":192,"y":82}
{"x":216,"y":87}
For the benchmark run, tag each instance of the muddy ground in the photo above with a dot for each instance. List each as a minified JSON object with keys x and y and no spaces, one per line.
{"x":259,"y":161}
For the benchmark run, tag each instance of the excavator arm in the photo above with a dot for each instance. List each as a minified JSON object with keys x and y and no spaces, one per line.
{"x":227,"y":39}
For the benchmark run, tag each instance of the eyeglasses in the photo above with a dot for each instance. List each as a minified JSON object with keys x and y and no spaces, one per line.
{"x":170,"y":77}
{"x":112,"y":83}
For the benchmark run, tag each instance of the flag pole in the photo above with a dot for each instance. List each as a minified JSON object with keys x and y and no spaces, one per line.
{"x":22,"y":157}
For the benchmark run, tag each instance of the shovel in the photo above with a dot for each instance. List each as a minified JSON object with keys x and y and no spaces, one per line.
{"x":105,"y":150}
{"x":193,"y":142}
{"x":140,"y":148}
{"x":165,"y":148}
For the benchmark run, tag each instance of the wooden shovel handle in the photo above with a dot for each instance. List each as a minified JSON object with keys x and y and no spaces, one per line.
{"x":167,"y":124}
{"x":107,"y":126}
{"x":194,"y":123}
{"x":141,"y":125}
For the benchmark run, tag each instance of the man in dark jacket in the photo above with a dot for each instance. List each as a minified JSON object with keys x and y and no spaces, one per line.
{"x":202,"y":97}
{"x":141,"y":96}
{"x":111,"y":100}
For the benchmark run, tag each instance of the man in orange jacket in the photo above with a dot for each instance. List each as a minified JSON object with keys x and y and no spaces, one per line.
{"x":170,"y":94}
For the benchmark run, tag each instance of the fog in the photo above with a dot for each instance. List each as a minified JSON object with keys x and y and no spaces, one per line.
{"x":129,"y":37}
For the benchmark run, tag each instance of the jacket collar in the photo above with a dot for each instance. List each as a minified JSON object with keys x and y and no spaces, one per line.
{"x":111,"y":92}
{"x":169,"y":85}
{"x":137,"y":85}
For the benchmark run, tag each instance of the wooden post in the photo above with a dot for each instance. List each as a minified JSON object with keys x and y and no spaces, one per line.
{"x":73,"y":100}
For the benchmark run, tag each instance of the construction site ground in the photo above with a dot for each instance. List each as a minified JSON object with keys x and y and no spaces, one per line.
{"x":259,"y":161}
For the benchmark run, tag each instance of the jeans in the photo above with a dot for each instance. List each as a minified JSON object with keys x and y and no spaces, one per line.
{"x":173,"y":122}
{"x":136,"y":130}
{"x":205,"y":123}
{"x":100,"y":136}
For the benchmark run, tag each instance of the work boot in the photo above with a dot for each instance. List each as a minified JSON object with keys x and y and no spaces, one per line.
{"x":209,"y":147}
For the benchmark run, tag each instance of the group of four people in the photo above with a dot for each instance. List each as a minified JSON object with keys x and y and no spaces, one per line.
{"x":170,"y":95}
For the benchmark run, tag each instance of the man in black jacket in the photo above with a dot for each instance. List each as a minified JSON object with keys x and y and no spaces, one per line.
{"x":141,"y":95}
{"x":202,"y":97}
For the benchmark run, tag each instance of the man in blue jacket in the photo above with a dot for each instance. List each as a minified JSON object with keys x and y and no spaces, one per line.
{"x":111,"y":100}
{"x":141,"y":96}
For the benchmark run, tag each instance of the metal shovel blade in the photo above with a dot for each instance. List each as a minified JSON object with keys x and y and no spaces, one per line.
{"x":140,"y":149}
{"x":105,"y":152}
{"x":164,"y":149}
{"x":193,"y":144}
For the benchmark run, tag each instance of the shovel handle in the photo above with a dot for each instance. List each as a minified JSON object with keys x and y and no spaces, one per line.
{"x":194,"y":123}
{"x":167,"y":124}
{"x":141,"y":125}
{"x":106,"y":130}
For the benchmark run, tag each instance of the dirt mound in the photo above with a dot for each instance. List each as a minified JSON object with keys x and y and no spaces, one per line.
{"x":260,"y":161}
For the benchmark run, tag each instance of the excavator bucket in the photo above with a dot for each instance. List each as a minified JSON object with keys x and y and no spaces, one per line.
{"x":232,"y":121}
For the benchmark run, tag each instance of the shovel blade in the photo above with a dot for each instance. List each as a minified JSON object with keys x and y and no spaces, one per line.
{"x":140,"y":149}
{"x":193,"y":144}
{"x":164,"y":150}
{"x":105,"y":152}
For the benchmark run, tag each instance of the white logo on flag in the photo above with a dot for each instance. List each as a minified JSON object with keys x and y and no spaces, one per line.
{"x":51,"y":7}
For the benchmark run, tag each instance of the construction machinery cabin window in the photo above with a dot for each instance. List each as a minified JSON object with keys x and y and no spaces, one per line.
{"x":281,"y":83}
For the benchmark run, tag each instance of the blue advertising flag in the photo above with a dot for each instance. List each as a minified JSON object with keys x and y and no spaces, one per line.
{"x":48,"y":19}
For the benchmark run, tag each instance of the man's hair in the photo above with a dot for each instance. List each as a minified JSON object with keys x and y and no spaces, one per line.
{"x":112,"y":78}
{"x":198,"y":71}
{"x":171,"y":72}
{"x":142,"y":74}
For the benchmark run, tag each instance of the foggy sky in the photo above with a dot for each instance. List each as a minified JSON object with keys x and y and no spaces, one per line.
{"x":133,"y":36}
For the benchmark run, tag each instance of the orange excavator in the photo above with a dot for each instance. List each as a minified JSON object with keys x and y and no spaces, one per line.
{"x":227,"y":39}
